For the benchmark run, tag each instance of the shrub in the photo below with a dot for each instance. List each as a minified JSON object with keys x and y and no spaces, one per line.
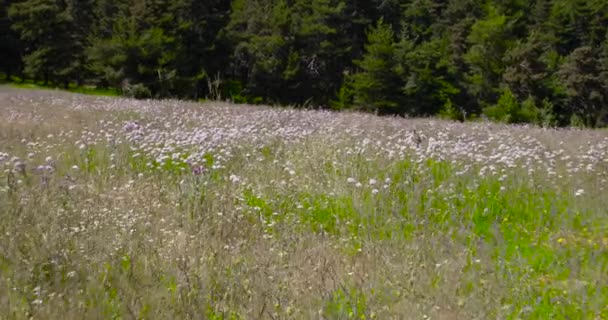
{"x":509,"y":110}
{"x":528,"y":111}
{"x":577,"y":121}
{"x":450,"y":111}
{"x":138,"y":91}
{"x":345,"y":96}
{"x":546,"y":115}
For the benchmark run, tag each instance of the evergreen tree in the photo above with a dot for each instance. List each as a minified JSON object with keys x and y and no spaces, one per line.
{"x":260,"y":33}
{"x":319,"y":54}
{"x":10,"y":46}
{"x":47,"y":30}
{"x":581,"y":76}
{"x":423,"y":57}
{"x":489,"y":40}
{"x":378,"y":87}
{"x":526,"y":72}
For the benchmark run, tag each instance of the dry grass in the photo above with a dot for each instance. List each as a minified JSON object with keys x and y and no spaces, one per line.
{"x":115,"y":208}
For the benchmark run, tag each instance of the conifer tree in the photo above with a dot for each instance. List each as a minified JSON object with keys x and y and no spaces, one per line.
{"x":378,"y":86}
{"x":47,"y":30}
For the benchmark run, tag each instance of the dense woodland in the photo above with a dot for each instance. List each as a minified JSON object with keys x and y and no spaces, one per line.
{"x":542,"y":61}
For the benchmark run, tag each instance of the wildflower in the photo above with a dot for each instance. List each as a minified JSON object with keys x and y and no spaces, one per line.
{"x":372,"y":182}
{"x":351,"y":180}
{"x":131,"y":126}
{"x":19,"y":167}
{"x":358,"y":185}
{"x":234,"y":178}
{"x":579,"y":192}
{"x":198,"y":170}
{"x":375,"y":191}
{"x":43,"y":169}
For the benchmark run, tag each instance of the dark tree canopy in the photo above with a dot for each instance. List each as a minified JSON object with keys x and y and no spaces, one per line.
{"x":541,"y":61}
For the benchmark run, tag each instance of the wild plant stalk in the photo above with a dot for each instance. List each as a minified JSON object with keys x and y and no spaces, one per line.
{"x":130,"y":209}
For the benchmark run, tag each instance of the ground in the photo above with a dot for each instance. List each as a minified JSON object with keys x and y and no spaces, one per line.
{"x":118,"y":208}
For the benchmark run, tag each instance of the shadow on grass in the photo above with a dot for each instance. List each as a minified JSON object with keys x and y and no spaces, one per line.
{"x":72,"y":87}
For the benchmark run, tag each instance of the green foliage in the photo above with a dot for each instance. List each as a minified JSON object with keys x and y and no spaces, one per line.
{"x":425,"y":71}
{"x":576,"y":121}
{"x":489,"y":39}
{"x":420,"y":57}
{"x":546,"y":114}
{"x":50,"y":33}
{"x":344,"y":304}
{"x":449,"y":111}
{"x":585,"y":86}
{"x":345,"y":96}
{"x":509,"y":110}
{"x":138,"y":91}
{"x":377,"y":86}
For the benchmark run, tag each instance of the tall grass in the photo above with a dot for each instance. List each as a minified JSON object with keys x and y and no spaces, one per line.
{"x":150,"y":210}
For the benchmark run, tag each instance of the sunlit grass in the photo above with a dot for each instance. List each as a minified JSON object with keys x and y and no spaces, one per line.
{"x":301,"y":221}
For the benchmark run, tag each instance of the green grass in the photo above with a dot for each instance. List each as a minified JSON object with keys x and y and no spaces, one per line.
{"x":118,"y":238}
{"x":72,"y":87}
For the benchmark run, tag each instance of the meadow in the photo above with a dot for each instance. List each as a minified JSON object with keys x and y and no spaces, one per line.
{"x":114,"y":208}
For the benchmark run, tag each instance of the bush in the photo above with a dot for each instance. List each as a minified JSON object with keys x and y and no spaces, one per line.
{"x":449,"y":111}
{"x":138,"y":91}
{"x":528,"y":111}
{"x":509,"y":110}
{"x":546,"y":115}
{"x":577,"y":121}
{"x":344,"y":97}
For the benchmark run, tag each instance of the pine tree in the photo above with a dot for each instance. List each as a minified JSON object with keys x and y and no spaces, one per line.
{"x":526,"y":72}
{"x":10,"y":46}
{"x":489,"y":40}
{"x":320,"y":53}
{"x":378,"y":85}
{"x":424,"y":70}
{"x":47,"y":30}
{"x":581,"y":75}
{"x":260,"y":32}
